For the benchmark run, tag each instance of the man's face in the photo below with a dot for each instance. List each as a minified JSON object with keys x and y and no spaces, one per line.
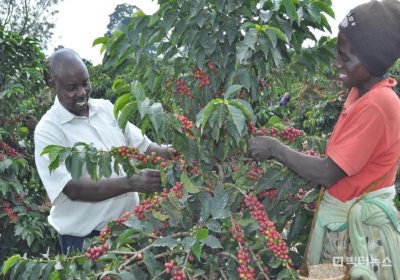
{"x":351,"y":71}
{"x":72,"y":86}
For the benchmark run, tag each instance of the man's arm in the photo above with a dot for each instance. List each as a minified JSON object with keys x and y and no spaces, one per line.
{"x":319,"y":170}
{"x":87,"y":190}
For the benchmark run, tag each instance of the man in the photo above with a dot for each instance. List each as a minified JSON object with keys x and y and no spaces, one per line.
{"x":81,"y":209}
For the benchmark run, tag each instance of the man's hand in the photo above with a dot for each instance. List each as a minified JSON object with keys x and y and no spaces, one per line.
{"x":148,"y":182}
{"x":30,"y":122}
{"x":260,"y":148}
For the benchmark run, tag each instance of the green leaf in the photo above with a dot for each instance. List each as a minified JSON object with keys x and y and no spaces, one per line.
{"x":268,"y":180}
{"x":37,"y":271}
{"x":232,"y":89}
{"x":211,"y":106}
{"x":278,"y":33}
{"x":290,"y":10}
{"x":53,"y":155}
{"x":108,"y":257}
{"x":200,"y":57}
{"x":244,"y":107}
{"x":325,"y":7}
{"x":284,"y":274}
{"x":266,"y":16}
{"x":197,"y":250}
{"x":214,"y":226}
{"x":242,"y":52}
{"x":27,"y":270}
{"x":219,"y":4}
{"x":153,"y":20}
{"x":159,"y":216}
{"x":156,"y":37}
{"x":202,"y":234}
{"x":156,"y":115}
{"x":237,"y":117}
{"x":188,"y":185}
{"x":143,"y":107}
{"x":212,"y":242}
{"x":171,"y":210}
{"x":100,"y":40}
{"x":174,"y":200}
{"x":166,"y":242}
{"x":285,"y":185}
{"x":314,"y":13}
{"x":219,"y":202}
{"x":231,"y":31}
{"x":251,"y":227}
{"x":169,"y":19}
{"x":274,"y":120}
{"x":188,"y":242}
{"x":121,"y":102}
{"x":150,"y":261}
{"x":47,"y":270}
{"x":250,"y":38}
{"x":10,"y":261}
{"x":126,"y":114}
{"x":105,"y":164}
{"x":77,"y":161}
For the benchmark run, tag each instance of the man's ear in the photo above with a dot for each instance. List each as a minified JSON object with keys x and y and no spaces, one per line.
{"x":51,"y":84}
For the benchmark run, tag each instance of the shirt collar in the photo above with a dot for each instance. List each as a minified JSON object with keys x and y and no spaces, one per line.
{"x":65,"y":116}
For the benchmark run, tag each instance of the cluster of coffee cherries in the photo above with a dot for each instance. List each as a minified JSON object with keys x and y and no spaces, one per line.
{"x":105,"y":233}
{"x":9,"y":211}
{"x":238,"y":233}
{"x":263,"y":131}
{"x":241,"y":94}
{"x":133,"y":152}
{"x":186,"y":123}
{"x":273,"y":131}
{"x":11,"y":120}
{"x":290,"y":134}
{"x":124,"y":218}
{"x":199,"y":74}
{"x":251,"y":128}
{"x":107,"y":278}
{"x":300,"y":195}
{"x":311,"y":153}
{"x":183,"y":88}
{"x":96,"y":252}
{"x":10,"y":151}
{"x":2,"y":156}
{"x":178,"y":274}
{"x":245,"y":269}
{"x":274,"y":240}
{"x":19,"y":198}
{"x":255,"y":174}
{"x":218,"y":93}
{"x":176,"y":189}
{"x":271,"y":193}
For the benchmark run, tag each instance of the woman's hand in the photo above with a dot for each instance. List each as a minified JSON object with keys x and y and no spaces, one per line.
{"x":260,"y":148}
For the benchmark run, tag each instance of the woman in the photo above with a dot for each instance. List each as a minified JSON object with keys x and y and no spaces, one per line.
{"x":363,"y":150}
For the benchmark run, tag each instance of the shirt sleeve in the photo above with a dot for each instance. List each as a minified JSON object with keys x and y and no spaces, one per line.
{"x":358,"y":141}
{"x":55,"y":181}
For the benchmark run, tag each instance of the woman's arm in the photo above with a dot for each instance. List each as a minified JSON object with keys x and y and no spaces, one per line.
{"x":319,"y":170}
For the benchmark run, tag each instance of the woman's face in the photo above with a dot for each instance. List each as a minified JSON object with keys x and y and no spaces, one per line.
{"x":351,"y":71}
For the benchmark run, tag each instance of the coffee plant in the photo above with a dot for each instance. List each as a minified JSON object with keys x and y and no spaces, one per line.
{"x":219,"y":215}
{"x":23,"y":226}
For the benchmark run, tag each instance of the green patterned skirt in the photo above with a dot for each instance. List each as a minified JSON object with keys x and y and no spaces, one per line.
{"x":335,"y":246}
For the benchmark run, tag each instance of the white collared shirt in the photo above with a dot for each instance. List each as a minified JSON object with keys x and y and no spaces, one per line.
{"x":60,"y":127}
